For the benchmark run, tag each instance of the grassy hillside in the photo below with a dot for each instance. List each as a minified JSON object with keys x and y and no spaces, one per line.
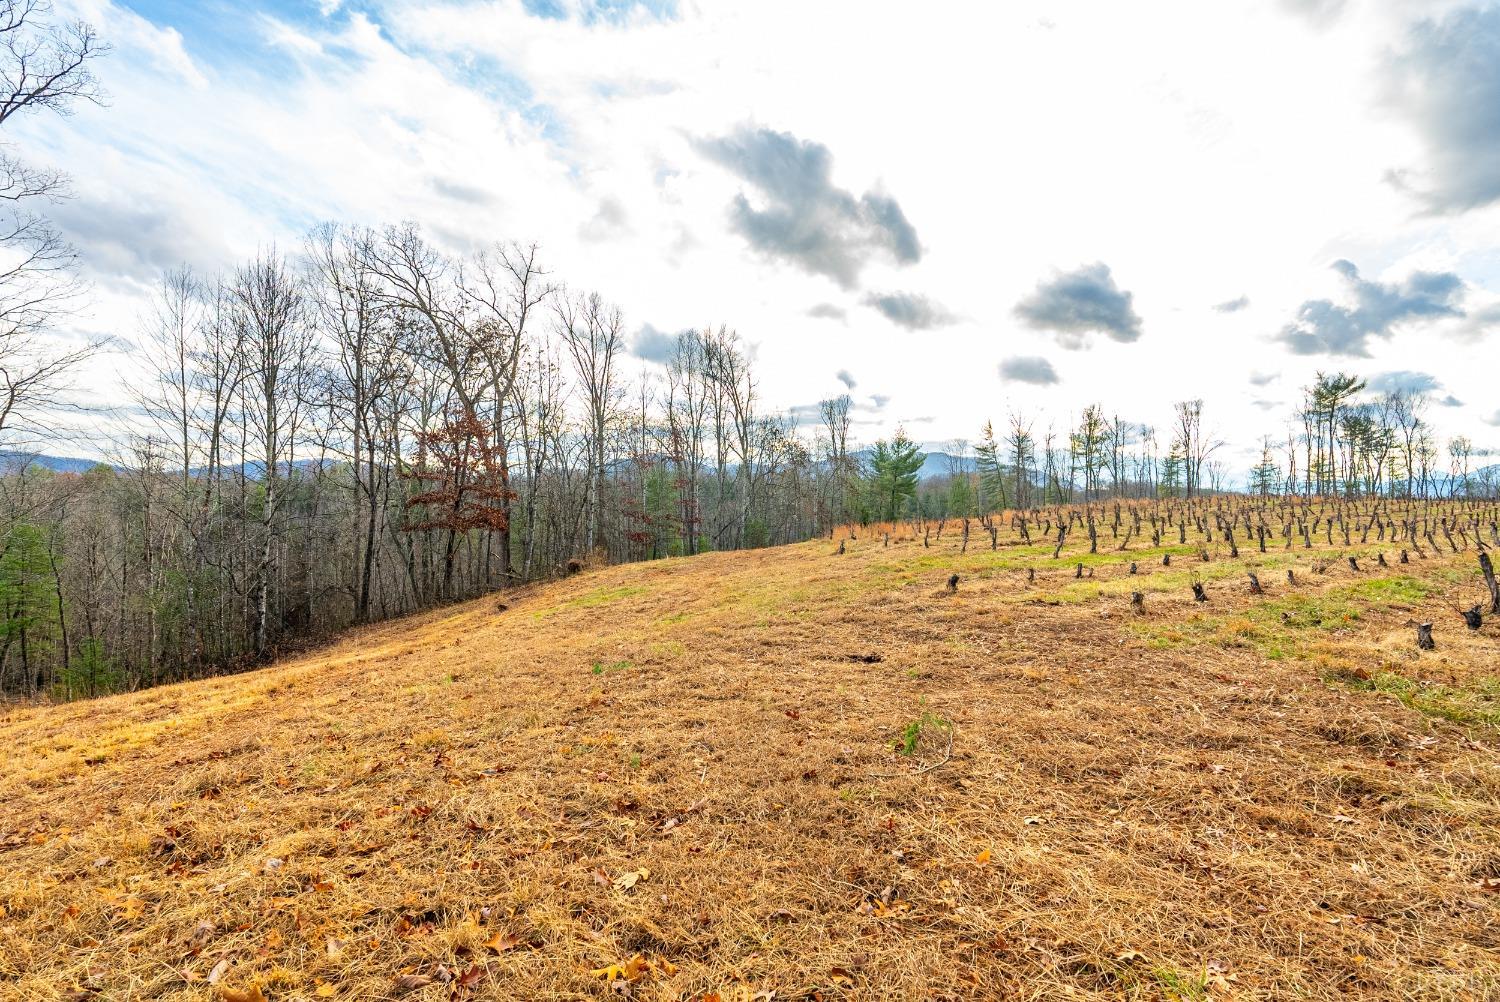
{"x":789,"y":774}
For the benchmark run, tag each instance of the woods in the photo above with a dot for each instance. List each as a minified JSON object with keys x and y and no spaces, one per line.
{"x":370,"y":427}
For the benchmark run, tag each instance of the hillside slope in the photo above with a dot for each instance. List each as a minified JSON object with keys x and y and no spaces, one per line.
{"x":682,"y":780}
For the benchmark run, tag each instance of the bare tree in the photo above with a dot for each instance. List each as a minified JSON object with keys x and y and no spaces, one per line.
{"x":593,"y":334}
{"x":44,"y":67}
{"x":364,"y":366}
{"x":269,"y":314}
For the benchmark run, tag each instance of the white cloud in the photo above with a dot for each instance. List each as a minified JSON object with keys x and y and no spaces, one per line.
{"x":1150,"y":137}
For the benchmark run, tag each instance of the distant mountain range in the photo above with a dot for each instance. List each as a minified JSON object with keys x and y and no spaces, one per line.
{"x":934,"y":464}
{"x":12,"y":461}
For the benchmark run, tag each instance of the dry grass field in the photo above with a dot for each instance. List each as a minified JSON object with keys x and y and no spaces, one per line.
{"x":787,"y":774}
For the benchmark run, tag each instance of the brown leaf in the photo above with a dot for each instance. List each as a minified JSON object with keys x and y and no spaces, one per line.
{"x":411,"y":982}
{"x":217,"y":974}
{"x":251,"y":994}
{"x":627,"y":880}
{"x":201,"y":935}
{"x":502,"y":941}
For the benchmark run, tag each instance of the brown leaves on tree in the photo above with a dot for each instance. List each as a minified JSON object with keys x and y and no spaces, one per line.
{"x":465,"y":475}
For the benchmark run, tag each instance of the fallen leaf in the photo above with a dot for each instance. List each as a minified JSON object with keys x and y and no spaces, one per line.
{"x":200,"y":937}
{"x":501,"y":941}
{"x":218,"y":972}
{"x":411,"y":982}
{"x":251,"y":994}
{"x":632,"y":970}
{"x":324,"y":990}
{"x":630,"y":878}
{"x":335,"y":947}
{"x":983,"y":857}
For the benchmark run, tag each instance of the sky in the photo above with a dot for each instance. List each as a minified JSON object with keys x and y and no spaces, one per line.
{"x":947,"y":210}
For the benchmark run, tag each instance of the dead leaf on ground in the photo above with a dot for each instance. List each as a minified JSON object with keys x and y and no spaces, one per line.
{"x":251,"y":994}
{"x":202,"y":933}
{"x":411,"y":982}
{"x":627,"y":880}
{"x":502,"y":941}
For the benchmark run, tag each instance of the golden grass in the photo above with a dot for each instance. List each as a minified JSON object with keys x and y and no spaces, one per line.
{"x":673,"y":781}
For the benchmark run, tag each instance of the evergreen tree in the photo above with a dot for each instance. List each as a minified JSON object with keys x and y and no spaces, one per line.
{"x":991,"y":472}
{"x":893,"y":477}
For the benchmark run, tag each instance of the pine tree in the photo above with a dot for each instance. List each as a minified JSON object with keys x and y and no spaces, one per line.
{"x":991,"y":472}
{"x":893,"y":479}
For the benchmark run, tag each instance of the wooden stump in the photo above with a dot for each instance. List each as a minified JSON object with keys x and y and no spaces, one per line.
{"x":1473,"y":618}
{"x":1354,"y":565}
{"x":1199,"y":595}
{"x":1487,"y":568}
{"x":1255,"y":588}
{"x":1138,"y":603}
{"x":1424,"y":637}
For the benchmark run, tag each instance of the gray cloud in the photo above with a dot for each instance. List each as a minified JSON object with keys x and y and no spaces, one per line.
{"x":132,"y":242}
{"x":609,"y":221}
{"x":827,"y":311}
{"x":653,"y":345}
{"x":1480,"y":323}
{"x":460,"y":192}
{"x":1325,"y":327}
{"x":1447,"y":82}
{"x":1263,"y":378}
{"x":910,"y":310}
{"x":1403,"y":380}
{"x":1028,"y":369}
{"x":1266,"y":405}
{"x":844,"y":377}
{"x":1077,"y":303}
{"x":1493,"y":419}
{"x":1406,"y":381}
{"x":1319,"y":12}
{"x":1232,"y":305}
{"x":808,"y":221}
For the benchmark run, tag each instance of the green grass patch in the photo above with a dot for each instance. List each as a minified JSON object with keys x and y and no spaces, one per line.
{"x":1477,"y":702}
{"x":600,"y":668}
{"x":593,"y":599}
{"x":910,"y":736}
